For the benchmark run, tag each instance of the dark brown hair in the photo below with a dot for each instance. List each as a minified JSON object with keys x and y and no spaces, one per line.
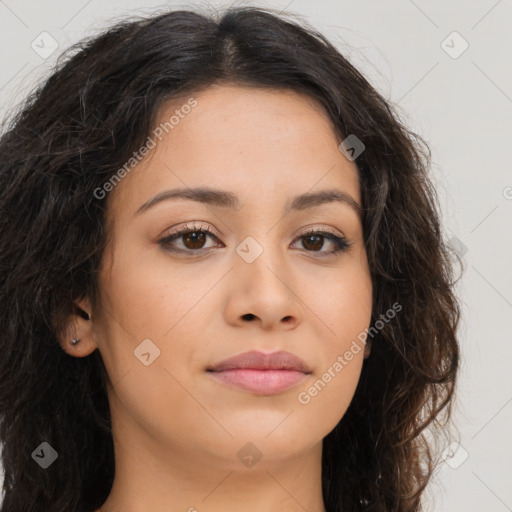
{"x":79,"y":127}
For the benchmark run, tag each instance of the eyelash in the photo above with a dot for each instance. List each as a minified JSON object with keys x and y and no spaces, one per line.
{"x":341,"y":243}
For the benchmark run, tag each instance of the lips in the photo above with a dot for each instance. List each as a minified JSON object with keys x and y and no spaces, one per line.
{"x":261,"y":373}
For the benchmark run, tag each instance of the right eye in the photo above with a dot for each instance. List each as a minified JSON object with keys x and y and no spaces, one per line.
{"x":193,"y":239}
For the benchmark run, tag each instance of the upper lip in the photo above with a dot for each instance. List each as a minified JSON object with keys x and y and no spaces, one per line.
{"x":260,"y":361}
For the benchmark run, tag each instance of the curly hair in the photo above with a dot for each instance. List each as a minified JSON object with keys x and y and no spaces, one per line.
{"x":77,"y":128}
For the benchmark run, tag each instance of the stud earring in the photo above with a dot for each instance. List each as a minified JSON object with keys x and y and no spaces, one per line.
{"x":75,"y":341}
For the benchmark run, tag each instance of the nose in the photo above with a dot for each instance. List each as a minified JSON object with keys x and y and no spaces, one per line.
{"x":264,"y":292}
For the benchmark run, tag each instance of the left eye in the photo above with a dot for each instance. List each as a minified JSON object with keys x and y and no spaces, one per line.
{"x":314,"y":239}
{"x":194,"y":238}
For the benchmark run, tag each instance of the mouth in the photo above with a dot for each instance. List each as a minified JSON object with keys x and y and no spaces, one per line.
{"x":261,"y":373}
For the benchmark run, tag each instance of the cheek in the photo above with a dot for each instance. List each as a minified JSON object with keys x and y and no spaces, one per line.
{"x":342,"y":301}
{"x":147,"y":319}
{"x":345,"y":308}
{"x":323,"y":403}
{"x":154,"y":397}
{"x":147,"y":308}
{"x":149,"y":294}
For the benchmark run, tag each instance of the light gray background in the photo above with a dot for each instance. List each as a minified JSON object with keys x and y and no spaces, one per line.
{"x":462,"y":106}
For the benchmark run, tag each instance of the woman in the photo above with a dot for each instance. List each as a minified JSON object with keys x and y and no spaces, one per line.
{"x":223,"y":283}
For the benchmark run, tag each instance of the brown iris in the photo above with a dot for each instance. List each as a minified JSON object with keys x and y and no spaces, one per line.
{"x":317,"y":244}
{"x":196,"y":238}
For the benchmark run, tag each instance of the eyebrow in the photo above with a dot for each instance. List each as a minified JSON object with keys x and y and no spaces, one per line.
{"x":225,"y":199}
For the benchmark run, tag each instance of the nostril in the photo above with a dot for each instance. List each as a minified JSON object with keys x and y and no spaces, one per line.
{"x":248,"y":316}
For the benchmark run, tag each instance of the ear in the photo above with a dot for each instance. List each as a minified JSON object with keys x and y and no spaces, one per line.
{"x":368,"y":348}
{"x":79,"y":326}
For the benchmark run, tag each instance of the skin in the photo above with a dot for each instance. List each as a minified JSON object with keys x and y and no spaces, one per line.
{"x":176,"y":429}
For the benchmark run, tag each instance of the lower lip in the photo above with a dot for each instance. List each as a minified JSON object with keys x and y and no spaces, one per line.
{"x":265,"y":382}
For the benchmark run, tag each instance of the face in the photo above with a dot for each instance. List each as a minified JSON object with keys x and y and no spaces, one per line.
{"x":251,"y":273}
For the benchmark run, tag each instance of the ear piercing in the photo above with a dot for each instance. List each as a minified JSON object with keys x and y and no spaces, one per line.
{"x":75,"y":341}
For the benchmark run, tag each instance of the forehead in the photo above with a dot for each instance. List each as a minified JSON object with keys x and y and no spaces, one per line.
{"x":261,"y":144}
